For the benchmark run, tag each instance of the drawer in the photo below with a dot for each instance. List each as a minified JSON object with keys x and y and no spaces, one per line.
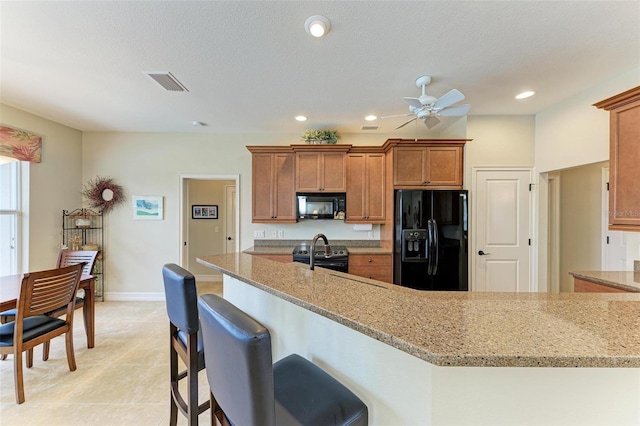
{"x":370,"y":260}
{"x":380,"y":273}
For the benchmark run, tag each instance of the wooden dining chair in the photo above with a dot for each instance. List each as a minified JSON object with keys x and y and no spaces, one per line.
{"x":41,"y":292}
{"x":67,"y":258}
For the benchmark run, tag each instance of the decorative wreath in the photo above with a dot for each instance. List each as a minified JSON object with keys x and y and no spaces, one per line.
{"x":103,"y":193}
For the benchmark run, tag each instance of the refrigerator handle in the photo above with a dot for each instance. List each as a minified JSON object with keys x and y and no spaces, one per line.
{"x":434,"y":269}
{"x":430,"y":270}
{"x":428,"y":247}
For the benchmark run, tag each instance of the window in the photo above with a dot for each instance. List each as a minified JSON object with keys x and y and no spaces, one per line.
{"x":9,"y":218}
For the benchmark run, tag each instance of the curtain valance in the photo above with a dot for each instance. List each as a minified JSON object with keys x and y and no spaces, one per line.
{"x":21,"y":145}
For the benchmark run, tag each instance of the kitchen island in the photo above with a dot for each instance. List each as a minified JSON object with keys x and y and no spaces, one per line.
{"x":450,"y":358}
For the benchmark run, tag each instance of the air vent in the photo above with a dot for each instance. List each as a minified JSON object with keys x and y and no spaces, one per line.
{"x":168,"y":81}
{"x":370,"y":127}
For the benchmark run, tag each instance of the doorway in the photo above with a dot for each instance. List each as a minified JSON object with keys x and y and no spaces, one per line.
{"x":217,"y":232}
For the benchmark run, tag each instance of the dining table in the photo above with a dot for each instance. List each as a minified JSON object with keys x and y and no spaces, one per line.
{"x":10,"y":292}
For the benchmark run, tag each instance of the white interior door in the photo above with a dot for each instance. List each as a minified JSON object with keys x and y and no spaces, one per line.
{"x":230,"y":222}
{"x":501,"y":249}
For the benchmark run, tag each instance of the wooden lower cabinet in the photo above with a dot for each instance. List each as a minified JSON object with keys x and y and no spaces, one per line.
{"x":584,"y":286}
{"x":283,"y":258}
{"x":373,"y":266}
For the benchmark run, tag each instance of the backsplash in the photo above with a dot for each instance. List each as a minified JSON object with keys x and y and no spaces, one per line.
{"x":292,"y":243}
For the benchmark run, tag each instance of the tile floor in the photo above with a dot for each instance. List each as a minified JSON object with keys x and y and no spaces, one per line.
{"x":123,"y":380}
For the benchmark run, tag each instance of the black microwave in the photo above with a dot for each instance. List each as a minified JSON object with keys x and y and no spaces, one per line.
{"x":321,"y":205}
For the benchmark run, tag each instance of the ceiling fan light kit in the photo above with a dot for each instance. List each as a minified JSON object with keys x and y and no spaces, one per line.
{"x":317,"y":25}
{"x":428,"y":108}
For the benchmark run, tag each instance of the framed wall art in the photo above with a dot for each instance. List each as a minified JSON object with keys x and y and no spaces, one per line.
{"x":199,"y":211}
{"x":147,"y":207}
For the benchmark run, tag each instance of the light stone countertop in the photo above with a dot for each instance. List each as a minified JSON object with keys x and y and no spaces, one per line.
{"x":458,"y":328}
{"x":624,"y":280}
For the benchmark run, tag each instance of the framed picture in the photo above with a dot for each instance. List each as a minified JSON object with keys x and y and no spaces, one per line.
{"x":147,"y":207}
{"x":204,"y":212}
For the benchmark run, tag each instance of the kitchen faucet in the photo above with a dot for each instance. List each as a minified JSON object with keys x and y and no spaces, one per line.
{"x":327,"y":249}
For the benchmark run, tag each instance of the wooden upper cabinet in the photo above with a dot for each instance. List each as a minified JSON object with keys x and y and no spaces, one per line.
{"x":320,"y":172}
{"x":365,"y":188}
{"x":428,"y":166}
{"x":624,"y":159}
{"x":273,"y":186}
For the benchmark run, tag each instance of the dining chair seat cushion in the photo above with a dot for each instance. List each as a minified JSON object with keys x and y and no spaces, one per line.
{"x":34,"y":326}
{"x":79,"y":300}
{"x":8,"y":313}
{"x":318,"y":399}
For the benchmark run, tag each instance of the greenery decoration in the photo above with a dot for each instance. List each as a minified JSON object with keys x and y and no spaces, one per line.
{"x":103,"y":193}
{"x":320,"y":136}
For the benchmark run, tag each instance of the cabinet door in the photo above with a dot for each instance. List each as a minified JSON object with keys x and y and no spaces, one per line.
{"x":320,"y":172}
{"x":443,"y":166}
{"x":273,"y":187}
{"x":375,"y":187}
{"x":334,"y":176}
{"x":624,"y":187}
{"x":356,"y":176}
{"x":263,"y":179}
{"x":408,"y":166}
{"x":284,"y":195}
{"x":308,"y":174}
{"x":365,"y":188}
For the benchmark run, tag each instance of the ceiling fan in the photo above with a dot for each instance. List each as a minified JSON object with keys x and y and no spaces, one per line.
{"x":429,"y":108}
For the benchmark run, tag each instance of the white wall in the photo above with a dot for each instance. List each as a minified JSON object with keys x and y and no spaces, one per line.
{"x":55,"y":184}
{"x":575,"y":132}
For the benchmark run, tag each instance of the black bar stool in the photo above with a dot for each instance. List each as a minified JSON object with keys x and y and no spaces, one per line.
{"x":185,"y":341}
{"x":250,"y":390}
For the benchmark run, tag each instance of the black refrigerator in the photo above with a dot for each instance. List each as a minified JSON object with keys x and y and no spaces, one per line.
{"x":431,"y":244}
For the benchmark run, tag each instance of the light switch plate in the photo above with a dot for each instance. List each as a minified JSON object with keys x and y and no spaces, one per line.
{"x":258,"y":234}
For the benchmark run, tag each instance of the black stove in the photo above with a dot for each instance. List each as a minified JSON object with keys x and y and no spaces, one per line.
{"x":338,"y":261}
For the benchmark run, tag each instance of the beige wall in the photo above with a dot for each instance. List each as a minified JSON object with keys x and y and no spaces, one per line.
{"x":580,"y":221}
{"x":54,"y":185}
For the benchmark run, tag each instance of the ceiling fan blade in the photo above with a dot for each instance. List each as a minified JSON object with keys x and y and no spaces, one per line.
{"x":399,"y":115}
{"x":406,"y":122}
{"x":415,"y":102}
{"x":449,"y":98}
{"x":455,"y":110}
{"x":431,"y":121}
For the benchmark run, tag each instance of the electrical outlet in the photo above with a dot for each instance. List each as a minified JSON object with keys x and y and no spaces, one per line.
{"x":274,"y":234}
{"x":258,"y":234}
{"x":280,"y":233}
{"x":217,"y":229}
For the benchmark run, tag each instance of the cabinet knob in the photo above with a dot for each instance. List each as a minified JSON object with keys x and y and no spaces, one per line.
{"x":370,"y":260}
{"x":426,"y":182}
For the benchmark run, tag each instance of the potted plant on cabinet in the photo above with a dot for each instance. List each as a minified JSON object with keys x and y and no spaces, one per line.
{"x":320,"y":136}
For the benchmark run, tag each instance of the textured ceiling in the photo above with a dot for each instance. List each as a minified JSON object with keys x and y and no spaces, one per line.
{"x":249,"y":66}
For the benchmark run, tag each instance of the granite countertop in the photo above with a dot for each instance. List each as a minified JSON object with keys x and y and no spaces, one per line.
{"x":459,"y":328}
{"x":624,"y":280}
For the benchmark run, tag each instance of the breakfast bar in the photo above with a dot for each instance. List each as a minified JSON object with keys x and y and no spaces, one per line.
{"x":418,"y":357}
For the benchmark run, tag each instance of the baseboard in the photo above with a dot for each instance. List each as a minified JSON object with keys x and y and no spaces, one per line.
{"x":133,"y":297}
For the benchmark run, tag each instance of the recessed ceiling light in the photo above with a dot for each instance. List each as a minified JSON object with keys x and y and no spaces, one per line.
{"x":317,"y":25}
{"x":198,"y":124}
{"x":301,"y":118}
{"x":525,"y":95}
{"x":371,"y":117}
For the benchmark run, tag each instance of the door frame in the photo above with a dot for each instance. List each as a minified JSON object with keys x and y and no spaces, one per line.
{"x":533,"y":264}
{"x":185,"y":209}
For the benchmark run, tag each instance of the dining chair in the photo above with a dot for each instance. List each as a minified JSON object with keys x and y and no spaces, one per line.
{"x":247,"y":389}
{"x":41,"y":292}
{"x":185,"y":341}
{"x":67,"y":258}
